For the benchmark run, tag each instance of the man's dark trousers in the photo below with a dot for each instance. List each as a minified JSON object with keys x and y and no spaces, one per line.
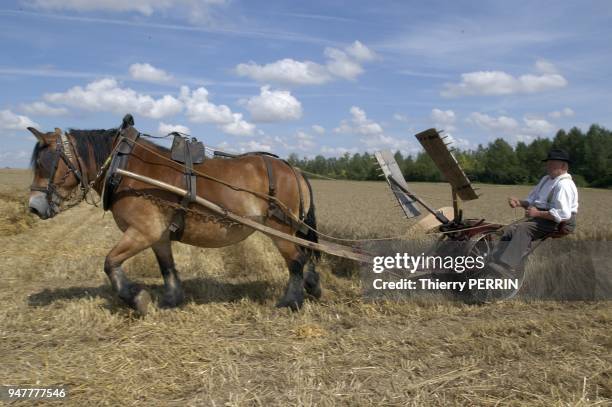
{"x":517,"y":238}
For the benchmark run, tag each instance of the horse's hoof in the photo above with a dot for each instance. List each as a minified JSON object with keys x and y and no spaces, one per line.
{"x":171,"y":300}
{"x":142,"y":302}
{"x":312,"y":285}
{"x":314,"y":292}
{"x":292,"y":304}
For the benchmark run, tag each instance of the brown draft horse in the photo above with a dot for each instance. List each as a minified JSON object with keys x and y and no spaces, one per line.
{"x":63,"y":163}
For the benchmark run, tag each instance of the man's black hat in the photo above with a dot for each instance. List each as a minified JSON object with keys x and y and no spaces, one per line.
{"x":559,"y":155}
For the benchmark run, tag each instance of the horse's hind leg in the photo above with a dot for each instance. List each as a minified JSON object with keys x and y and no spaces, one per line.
{"x":295,"y":259}
{"x":173,"y":290}
{"x":132,"y":242}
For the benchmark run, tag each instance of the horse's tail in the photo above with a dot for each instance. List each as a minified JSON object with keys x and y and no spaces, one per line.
{"x":311,"y":221}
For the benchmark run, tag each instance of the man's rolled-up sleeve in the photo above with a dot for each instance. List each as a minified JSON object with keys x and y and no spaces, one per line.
{"x":561,"y":206}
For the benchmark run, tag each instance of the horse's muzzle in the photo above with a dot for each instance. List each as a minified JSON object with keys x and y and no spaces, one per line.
{"x":39,"y":206}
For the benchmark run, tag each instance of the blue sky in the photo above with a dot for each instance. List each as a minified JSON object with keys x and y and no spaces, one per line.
{"x":318,"y":77}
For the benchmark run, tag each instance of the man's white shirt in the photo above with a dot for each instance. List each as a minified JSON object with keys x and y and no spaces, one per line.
{"x":562,"y":202}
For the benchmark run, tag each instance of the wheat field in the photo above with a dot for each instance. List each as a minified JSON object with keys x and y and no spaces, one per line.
{"x":61,"y":324}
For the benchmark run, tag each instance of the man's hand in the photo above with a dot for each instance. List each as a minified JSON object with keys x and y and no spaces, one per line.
{"x":532,"y":212}
{"x":514,"y":202}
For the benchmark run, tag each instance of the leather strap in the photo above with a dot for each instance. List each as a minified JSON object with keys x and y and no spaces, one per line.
{"x":551,"y":194}
{"x":274,"y":211}
{"x":302,"y":215}
{"x":271,"y":180}
{"x":122,"y":154}
{"x":177,"y":227}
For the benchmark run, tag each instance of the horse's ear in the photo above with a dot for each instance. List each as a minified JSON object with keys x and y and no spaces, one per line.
{"x":58,"y":131}
{"x":128,"y":120}
{"x":40,"y":136}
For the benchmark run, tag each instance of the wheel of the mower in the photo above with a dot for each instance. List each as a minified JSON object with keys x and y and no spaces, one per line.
{"x":483,"y":245}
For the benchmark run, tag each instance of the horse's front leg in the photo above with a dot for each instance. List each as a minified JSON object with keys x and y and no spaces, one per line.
{"x":132,"y":242}
{"x":173,"y":290}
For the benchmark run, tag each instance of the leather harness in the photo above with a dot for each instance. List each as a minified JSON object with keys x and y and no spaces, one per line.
{"x":274,"y":211}
{"x":187,"y":151}
{"x":192,"y":152}
{"x":124,"y":149}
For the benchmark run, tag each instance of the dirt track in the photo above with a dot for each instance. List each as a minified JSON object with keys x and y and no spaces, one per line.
{"x":61,"y":324}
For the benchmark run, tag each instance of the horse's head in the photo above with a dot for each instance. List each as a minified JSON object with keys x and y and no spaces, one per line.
{"x":56,"y":177}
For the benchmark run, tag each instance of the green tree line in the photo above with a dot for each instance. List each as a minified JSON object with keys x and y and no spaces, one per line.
{"x":496,"y":163}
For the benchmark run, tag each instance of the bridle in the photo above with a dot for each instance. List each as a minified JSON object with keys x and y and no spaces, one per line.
{"x":63,"y":147}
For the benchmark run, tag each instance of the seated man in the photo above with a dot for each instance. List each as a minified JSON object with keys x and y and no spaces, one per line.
{"x":552,"y":201}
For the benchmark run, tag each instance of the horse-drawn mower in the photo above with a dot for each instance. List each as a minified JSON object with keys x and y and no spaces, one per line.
{"x":457,"y":235}
{"x":159,"y":195}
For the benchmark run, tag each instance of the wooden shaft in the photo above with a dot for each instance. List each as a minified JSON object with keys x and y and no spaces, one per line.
{"x":439,"y":216}
{"x":327,"y":247}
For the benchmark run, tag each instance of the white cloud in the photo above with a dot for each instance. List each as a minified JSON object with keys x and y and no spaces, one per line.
{"x":238,"y":127}
{"x":381,"y":141}
{"x":301,"y":141}
{"x":360,"y":52}
{"x":502,"y":83}
{"x":200,"y":110}
{"x":538,"y":126}
{"x":443,"y":119}
{"x":107,"y":95}
{"x":43,"y":109}
{"x":359,"y":124}
{"x":566,"y":112}
{"x":443,"y":116}
{"x":273,"y":106}
{"x":287,"y":71}
{"x":502,"y":123}
{"x":505,"y":125}
{"x":305,"y":142}
{"x":166,"y":128}
{"x":196,"y":10}
{"x":148,"y":73}
{"x":318,"y":129}
{"x":254,"y":145}
{"x":400,"y":117}
{"x":12,"y":121}
{"x":340,"y":64}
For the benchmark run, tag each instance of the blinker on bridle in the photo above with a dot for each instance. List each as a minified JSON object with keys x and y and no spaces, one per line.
{"x":62,"y":150}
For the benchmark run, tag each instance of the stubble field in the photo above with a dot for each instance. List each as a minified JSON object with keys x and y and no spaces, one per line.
{"x":60,"y":322}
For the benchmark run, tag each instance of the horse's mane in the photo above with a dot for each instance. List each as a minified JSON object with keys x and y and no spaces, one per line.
{"x":100,"y":141}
